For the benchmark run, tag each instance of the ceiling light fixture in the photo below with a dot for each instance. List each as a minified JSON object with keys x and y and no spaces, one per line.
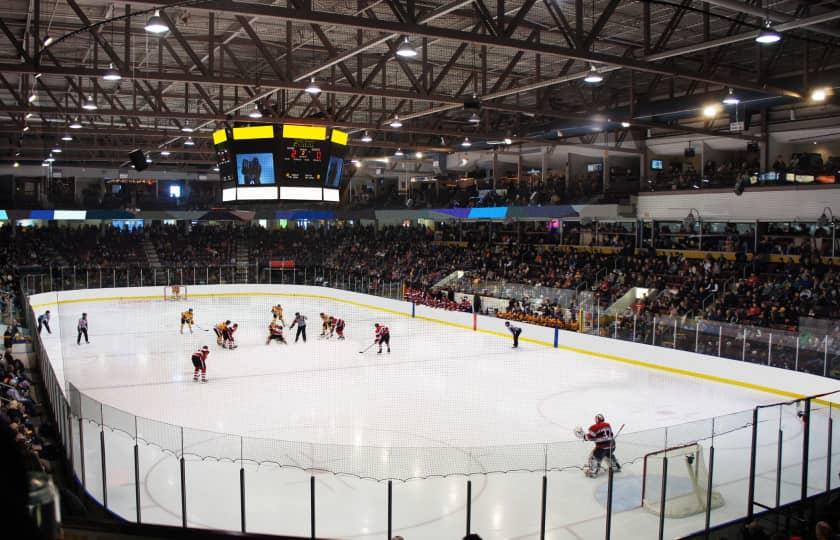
{"x":111,"y":74}
{"x":419,"y":155}
{"x":466,"y":142}
{"x":399,"y":153}
{"x":44,"y":164}
{"x":75,"y":124}
{"x":16,"y":164}
{"x":768,"y":36}
{"x":156,"y":24}
{"x":508,"y":141}
{"x":50,"y":159}
{"x":819,"y":94}
{"x":396,"y":123}
{"x":165,"y":153}
{"x":625,"y":125}
{"x":189,"y":142}
{"x":38,"y":75}
{"x":594,"y":76}
{"x":711,"y":110}
{"x":356,"y":163}
{"x":215,"y":169}
{"x":33,"y":97}
{"x":366,"y":138}
{"x":256,"y":113}
{"x":312,"y":88}
{"x":90,"y":104}
{"x":56,"y":150}
{"x":731,"y":98}
{"x":48,"y":41}
{"x":186,"y":129}
{"x":66,"y":137}
{"x":25,"y":128}
{"x":474,"y":119}
{"x":28,"y":115}
{"x":405,"y":50}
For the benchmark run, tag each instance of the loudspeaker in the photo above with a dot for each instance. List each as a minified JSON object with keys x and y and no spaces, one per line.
{"x":138,"y":159}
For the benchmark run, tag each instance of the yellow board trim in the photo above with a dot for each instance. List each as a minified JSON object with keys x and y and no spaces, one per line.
{"x":315,"y":133}
{"x":603,"y":356}
{"x":253,"y":132}
{"x":219,"y":136}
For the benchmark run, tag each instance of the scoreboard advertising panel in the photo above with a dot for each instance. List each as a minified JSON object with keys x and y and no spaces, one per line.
{"x":283,"y":162}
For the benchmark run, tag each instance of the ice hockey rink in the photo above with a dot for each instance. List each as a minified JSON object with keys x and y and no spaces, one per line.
{"x":447,"y":405}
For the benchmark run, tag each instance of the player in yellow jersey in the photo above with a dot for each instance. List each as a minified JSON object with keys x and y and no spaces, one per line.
{"x":187,"y":318}
{"x":277,"y":313}
{"x":326,"y":326}
{"x":222,"y":332}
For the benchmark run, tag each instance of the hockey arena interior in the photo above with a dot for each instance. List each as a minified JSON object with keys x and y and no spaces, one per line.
{"x":420,"y":270}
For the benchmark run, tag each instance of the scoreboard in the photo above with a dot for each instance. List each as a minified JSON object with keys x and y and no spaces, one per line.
{"x":284,"y":162}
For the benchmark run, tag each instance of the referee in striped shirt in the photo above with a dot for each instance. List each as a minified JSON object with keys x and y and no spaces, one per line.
{"x":515,"y":331}
{"x":82,"y":328}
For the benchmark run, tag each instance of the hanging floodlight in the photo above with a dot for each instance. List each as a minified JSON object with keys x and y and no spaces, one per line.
{"x":312,"y":88}
{"x":156,"y":24}
{"x":466,"y":142}
{"x":405,"y":50}
{"x":186,"y":129}
{"x":396,"y":123}
{"x":768,"y":36}
{"x":33,"y":97}
{"x":165,"y":153}
{"x":366,"y":138}
{"x":75,"y":124}
{"x":256,"y":113}
{"x":189,"y":142}
{"x":594,"y":76}
{"x":731,"y":98}
{"x":111,"y":74}
{"x":90,"y":104}
{"x":399,"y":153}
{"x":474,"y":119}
{"x":66,"y":137}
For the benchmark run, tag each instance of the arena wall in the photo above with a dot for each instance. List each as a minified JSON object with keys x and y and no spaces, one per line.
{"x":762,"y":378}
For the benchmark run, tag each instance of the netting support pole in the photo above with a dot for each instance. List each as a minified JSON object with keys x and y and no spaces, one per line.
{"x":137,"y":479}
{"x":796,"y":357}
{"x":82,"y":451}
{"x":412,"y":309}
{"x":634,"y":328}
{"x":653,"y":333}
{"x":806,"y":441}
{"x":709,"y":485}
{"x":556,"y":337}
{"x":779,"y":468}
{"x":102,"y":455}
{"x":828,"y":456}
{"x":183,"y":492}
{"x":608,"y":524}
{"x":390,"y":508}
{"x":312,"y":506}
{"x":751,"y":479}
{"x":242,"y":494}
{"x":675,"y":333}
{"x":769,"y":349}
{"x":662,"y":494}
{"x":543,"y":506}
{"x":469,"y":505}
{"x":720,"y":339}
{"x":696,"y":337}
{"x":825,"y":357}
{"x":69,"y":422}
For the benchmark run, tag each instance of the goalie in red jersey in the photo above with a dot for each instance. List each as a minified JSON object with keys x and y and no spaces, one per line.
{"x":602,"y":435}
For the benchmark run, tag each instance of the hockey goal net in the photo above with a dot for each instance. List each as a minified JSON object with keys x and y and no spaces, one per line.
{"x":687,"y":482}
{"x":175,"y":292}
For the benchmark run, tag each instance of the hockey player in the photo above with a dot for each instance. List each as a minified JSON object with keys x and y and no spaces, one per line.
{"x":82,"y":329}
{"x":230,"y":341}
{"x":300,"y":322}
{"x":44,"y":322}
{"x":275,"y":332}
{"x":338,"y":325}
{"x":188,"y":319}
{"x":601,"y":434}
{"x":221,"y":331}
{"x":382,"y":336}
{"x":277,"y":313}
{"x":515,"y":331}
{"x":326,"y":329}
{"x":199,"y":362}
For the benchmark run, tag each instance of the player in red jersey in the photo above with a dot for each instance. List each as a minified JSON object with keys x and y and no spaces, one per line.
{"x":601,"y":434}
{"x":383,"y":336}
{"x":199,"y":362}
{"x":275,"y":332}
{"x":337,"y":325}
{"x":229,"y":339}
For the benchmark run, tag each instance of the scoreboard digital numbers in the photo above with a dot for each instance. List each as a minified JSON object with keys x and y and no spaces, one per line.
{"x":304,"y":161}
{"x":287,"y":162}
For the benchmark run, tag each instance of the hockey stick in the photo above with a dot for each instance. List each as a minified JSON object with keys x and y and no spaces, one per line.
{"x":367,"y":348}
{"x":202,"y":329}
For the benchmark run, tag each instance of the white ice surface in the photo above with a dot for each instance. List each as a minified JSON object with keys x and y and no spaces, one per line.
{"x":440,"y":390}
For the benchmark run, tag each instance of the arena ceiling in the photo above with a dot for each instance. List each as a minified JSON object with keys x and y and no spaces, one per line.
{"x":524,"y":60}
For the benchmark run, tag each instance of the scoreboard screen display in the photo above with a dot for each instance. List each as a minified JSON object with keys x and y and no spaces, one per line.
{"x":303,"y":161}
{"x":287,"y":162}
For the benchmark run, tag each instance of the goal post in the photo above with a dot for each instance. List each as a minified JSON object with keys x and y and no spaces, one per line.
{"x":175,"y":292}
{"x":687,"y":482}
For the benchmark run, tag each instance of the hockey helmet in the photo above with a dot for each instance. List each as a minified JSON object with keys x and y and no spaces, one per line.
{"x":190,"y":310}
{"x":205,"y":348}
{"x":376,"y":325}
{"x":227,"y":322}
{"x":599,"y":417}
{"x":507,"y":323}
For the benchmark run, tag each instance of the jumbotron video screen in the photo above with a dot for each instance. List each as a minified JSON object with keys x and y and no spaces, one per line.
{"x":283,"y":162}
